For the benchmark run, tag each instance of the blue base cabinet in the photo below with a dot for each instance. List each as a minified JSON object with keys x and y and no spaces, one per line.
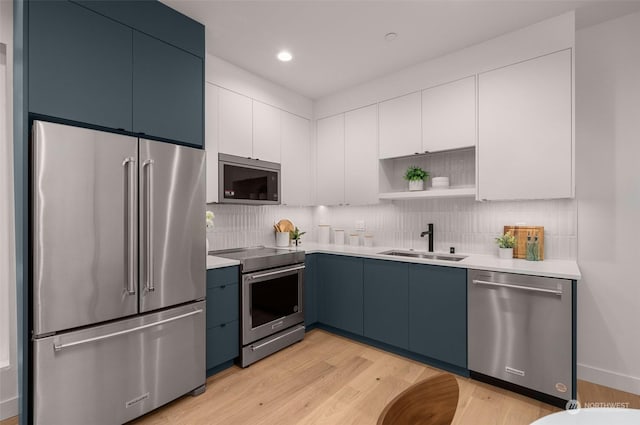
{"x":223,"y":325}
{"x":438,"y":313}
{"x":340,"y":287}
{"x":386,"y":300}
{"x":310,"y":291}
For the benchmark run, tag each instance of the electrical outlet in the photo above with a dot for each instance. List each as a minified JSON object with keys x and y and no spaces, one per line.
{"x":360,"y":226}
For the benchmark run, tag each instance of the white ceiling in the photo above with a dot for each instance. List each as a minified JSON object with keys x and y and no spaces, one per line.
{"x":339,"y":44}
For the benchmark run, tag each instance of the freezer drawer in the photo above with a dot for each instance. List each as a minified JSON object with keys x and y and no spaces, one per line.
{"x":520,"y":330}
{"x":113,"y":373}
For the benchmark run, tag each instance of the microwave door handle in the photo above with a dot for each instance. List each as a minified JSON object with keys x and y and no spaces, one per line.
{"x":277,"y":272}
{"x":130,"y":165}
{"x":148,"y":164}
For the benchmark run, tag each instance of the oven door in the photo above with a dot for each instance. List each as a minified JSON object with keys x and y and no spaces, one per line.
{"x":272,"y":300}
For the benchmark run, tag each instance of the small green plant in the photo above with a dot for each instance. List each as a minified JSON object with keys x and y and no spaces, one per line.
{"x":506,"y":241}
{"x":295,"y":234}
{"x":415,"y":173}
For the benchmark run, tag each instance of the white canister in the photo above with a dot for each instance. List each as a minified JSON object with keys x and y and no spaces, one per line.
{"x":354,"y":239}
{"x":440,"y":182}
{"x":282,"y":238}
{"x":324,"y":234}
{"x":338,"y":237}
{"x":368,"y":240}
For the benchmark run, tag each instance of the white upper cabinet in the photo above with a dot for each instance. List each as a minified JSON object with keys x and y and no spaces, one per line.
{"x":296,"y":157}
{"x":361,"y":156}
{"x":330,"y":160}
{"x":211,"y":95}
{"x":400,"y":126}
{"x":236,"y":122}
{"x":449,"y":116}
{"x":266,"y":132}
{"x":525,"y":148}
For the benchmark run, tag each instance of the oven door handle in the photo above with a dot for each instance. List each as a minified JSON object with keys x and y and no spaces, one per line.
{"x":277,"y":272}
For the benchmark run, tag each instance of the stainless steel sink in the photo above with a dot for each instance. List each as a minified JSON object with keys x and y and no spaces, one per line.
{"x":425,"y":255}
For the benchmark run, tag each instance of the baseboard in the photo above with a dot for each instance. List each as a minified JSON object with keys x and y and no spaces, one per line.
{"x":608,"y":378}
{"x":8,"y":408}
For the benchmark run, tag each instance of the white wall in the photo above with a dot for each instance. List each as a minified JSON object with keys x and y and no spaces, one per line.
{"x":535,"y":40}
{"x":231,"y":77}
{"x":8,"y":372}
{"x":608,"y":195}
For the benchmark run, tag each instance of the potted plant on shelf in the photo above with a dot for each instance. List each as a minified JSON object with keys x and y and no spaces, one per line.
{"x":416,"y":177}
{"x":506,"y":243}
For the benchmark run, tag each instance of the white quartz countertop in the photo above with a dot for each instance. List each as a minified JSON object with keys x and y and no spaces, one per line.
{"x":565,"y":269}
{"x":219,"y":262}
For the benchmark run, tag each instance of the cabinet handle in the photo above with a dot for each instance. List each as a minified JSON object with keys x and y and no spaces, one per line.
{"x":223,"y":325}
{"x":223,"y":286}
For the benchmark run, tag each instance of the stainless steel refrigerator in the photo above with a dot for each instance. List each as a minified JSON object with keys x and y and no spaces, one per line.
{"x":119,"y":268}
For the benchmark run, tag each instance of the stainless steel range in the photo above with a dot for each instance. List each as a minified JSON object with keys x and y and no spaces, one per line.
{"x":271,"y":299}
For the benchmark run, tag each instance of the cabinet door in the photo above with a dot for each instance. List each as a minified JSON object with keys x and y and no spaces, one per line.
{"x":310,"y":291}
{"x":212,"y":126}
{"x":330,"y":161}
{"x":400,"y":121}
{"x":525,"y":130}
{"x":361,"y":156}
{"x":449,"y":116}
{"x":438,"y":313}
{"x":266,"y":132}
{"x":168,"y":89}
{"x":79,"y":65}
{"x":295,"y":173}
{"x":236,"y":123}
{"x":339,"y":284}
{"x":386,"y":301}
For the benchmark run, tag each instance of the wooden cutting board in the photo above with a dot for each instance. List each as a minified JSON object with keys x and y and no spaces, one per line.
{"x":521,"y":233}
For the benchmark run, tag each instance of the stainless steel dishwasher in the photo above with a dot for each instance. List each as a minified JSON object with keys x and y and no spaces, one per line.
{"x":520,"y":334}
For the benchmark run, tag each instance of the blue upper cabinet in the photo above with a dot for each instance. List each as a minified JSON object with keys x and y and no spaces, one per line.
{"x":386,"y":300}
{"x":79,"y":65}
{"x":339,"y":286}
{"x":155,"y":19}
{"x":131,"y":65}
{"x":167,"y":91}
{"x":438,"y":313}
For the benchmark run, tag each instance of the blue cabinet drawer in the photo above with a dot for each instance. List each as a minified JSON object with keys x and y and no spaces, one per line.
{"x":222,"y":343}
{"x":223,"y":276}
{"x":222,"y":304}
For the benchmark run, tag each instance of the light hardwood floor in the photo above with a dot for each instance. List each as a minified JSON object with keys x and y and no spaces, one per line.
{"x":330,"y":380}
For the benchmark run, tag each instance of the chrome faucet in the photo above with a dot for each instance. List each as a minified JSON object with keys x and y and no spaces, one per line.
{"x":430,"y":233}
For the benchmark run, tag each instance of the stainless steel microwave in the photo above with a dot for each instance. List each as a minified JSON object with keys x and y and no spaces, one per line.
{"x":248,"y":181}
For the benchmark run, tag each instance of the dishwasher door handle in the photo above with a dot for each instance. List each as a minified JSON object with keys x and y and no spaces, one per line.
{"x":525,"y":288}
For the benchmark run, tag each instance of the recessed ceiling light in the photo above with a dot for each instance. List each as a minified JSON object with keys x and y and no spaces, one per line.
{"x":390,"y":36}
{"x":284,"y":56}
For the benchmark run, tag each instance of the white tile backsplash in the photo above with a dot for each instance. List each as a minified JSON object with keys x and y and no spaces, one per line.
{"x":464,"y":223}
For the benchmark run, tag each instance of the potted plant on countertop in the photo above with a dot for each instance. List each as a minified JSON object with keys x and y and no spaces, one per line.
{"x":506,"y":243}
{"x":295,"y":235}
{"x":416,"y":177}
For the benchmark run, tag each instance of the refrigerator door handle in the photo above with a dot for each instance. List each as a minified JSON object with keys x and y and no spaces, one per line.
{"x":58,"y":347}
{"x":130,"y":164}
{"x":148,"y":164}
